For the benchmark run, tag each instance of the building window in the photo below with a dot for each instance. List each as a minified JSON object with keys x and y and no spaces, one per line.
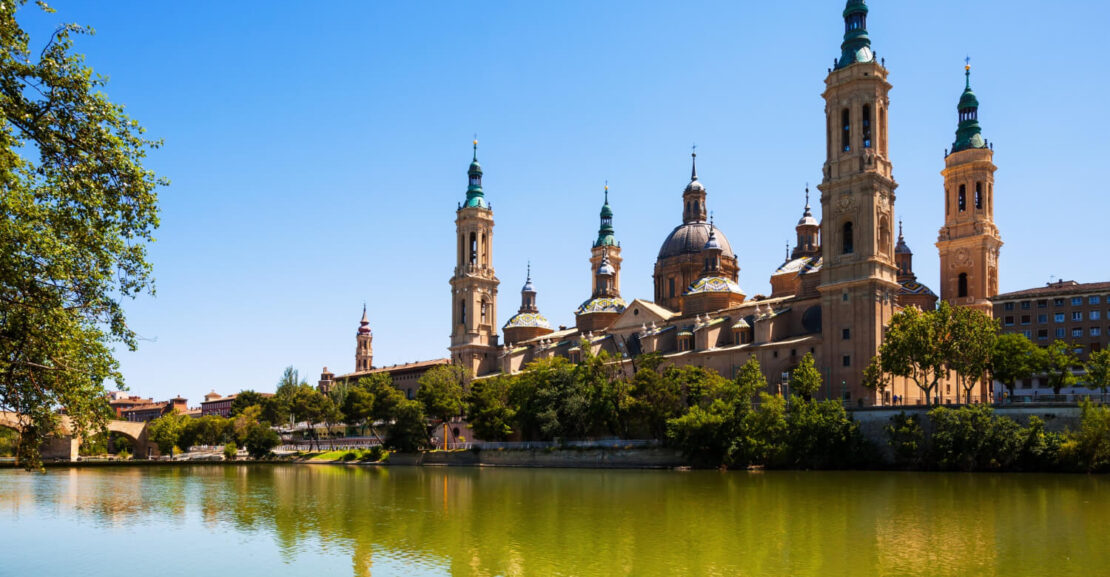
{"x":1009,"y":306}
{"x":846,"y":131}
{"x":1042,"y":334}
{"x":1058,"y":302}
{"x":473,"y":248}
{"x":1076,"y":301}
{"x":849,"y":244}
{"x":1060,"y":333}
{"x":1096,"y":332}
{"x":978,"y":196}
{"x":844,"y":297}
{"x":1076,"y":315}
{"x":1042,"y":304}
{"x":1093,"y":300}
{"x":867,"y":126}
{"x":847,"y":360}
{"x":1095,"y":315}
{"x":962,"y":285}
{"x":1026,"y":305}
{"x":1076,"y":332}
{"x":1058,"y":317}
{"x":1025,"y":320}
{"x":1027,"y":334}
{"x":846,"y":334}
{"x":1009,"y":321}
{"x":670,"y":282}
{"x":1042,"y":319}
{"x":961,"y":201}
{"x":462,"y":312}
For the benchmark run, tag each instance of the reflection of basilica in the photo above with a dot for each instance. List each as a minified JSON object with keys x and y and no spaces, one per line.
{"x":832,"y":297}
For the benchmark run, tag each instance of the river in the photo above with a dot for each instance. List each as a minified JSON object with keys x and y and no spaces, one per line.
{"x":271,"y":520}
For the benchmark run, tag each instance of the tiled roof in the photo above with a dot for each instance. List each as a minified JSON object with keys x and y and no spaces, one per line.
{"x":397,"y":368}
{"x":1058,"y":288}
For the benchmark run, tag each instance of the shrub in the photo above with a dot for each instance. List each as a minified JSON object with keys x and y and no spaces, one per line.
{"x":1091,"y":449}
{"x":821,"y":435}
{"x":123,"y":455}
{"x":972,"y":438}
{"x":374,"y":454}
{"x":907,"y":439}
{"x":230,"y":451}
{"x":349,"y":456}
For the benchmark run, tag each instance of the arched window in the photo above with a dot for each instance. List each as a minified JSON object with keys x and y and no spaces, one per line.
{"x":846,"y":130}
{"x":697,"y":208}
{"x":473,"y":248}
{"x":462,"y":249}
{"x":978,"y":196}
{"x":462,"y":312}
{"x":947,"y":203}
{"x":867,"y":126}
{"x":485,"y":249}
{"x":849,"y":241}
{"x":962,"y":289}
{"x":485,"y":308}
{"x":961,"y":202}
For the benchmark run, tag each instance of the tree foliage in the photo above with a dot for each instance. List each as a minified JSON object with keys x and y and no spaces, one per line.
{"x":488,"y":409}
{"x":805,"y":380}
{"x":1098,"y":371}
{"x":165,"y":431}
{"x":917,"y":346}
{"x":77,"y":212}
{"x":1014,"y":357}
{"x":1057,"y":360}
{"x":442,"y":391}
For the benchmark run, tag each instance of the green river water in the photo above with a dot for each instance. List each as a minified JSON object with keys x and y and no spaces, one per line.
{"x":333,"y":520}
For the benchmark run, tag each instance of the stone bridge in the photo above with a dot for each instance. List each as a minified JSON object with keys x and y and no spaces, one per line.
{"x":64,"y":444}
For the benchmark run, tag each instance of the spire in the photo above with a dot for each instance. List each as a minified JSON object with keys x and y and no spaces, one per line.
{"x":807,"y":232}
{"x":901,"y":247}
{"x":857,"y":44}
{"x":968,"y":133}
{"x":528,"y":288}
{"x":693,"y":197}
{"x":605,"y":234}
{"x":474,"y":194}
{"x":364,"y":324}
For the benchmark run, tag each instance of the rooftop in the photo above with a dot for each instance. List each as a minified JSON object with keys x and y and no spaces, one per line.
{"x":1058,"y":288}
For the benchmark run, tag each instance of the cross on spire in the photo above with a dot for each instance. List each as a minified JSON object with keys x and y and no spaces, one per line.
{"x":694,"y":162}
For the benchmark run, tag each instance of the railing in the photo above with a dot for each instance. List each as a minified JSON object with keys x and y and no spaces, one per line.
{"x":585,"y":444}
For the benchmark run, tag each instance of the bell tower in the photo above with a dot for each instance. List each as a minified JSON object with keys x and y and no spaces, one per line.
{"x":858,"y":275}
{"x":606,"y":245}
{"x":969,"y":241}
{"x":474,"y":284}
{"x":364,"y":345}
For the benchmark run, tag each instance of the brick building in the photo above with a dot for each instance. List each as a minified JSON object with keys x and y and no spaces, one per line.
{"x":151,"y":411}
{"x":1078,"y":313}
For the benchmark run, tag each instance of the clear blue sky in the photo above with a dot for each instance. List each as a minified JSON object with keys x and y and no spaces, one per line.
{"x":317,"y":152}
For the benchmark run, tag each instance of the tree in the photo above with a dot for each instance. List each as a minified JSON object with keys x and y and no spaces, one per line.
{"x":651,"y":402}
{"x":874,"y":378}
{"x":442,"y":391}
{"x":279,"y":408}
{"x":1057,"y":361}
{"x":409,"y":430}
{"x":386,"y":398}
{"x":917,"y":346}
{"x":488,"y":411}
{"x":246,"y":399}
{"x":1014,"y":357}
{"x":312,"y":407}
{"x":77,"y":211}
{"x":242,"y":424}
{"x":805,"y":380}
{"x":973,"y":335}
{"x":260,"y":440}
{"x":1098,"y":371}
{"x":358,"y":405}
{"x":165,"y":430}
{"x":208,"y":430}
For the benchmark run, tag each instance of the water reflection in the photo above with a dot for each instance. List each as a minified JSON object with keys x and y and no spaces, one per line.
{"x":434,"y":521}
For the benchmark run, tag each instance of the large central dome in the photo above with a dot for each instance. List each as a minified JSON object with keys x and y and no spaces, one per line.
{"x":690,"y":238}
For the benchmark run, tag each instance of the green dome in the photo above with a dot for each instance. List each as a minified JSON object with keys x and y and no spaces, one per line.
{"x":968,"y":100}
{"x":968,"y":134}
{"x":475,"y":197}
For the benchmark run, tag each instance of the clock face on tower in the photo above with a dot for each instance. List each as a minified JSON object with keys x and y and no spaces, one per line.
{"x":864,"y":55}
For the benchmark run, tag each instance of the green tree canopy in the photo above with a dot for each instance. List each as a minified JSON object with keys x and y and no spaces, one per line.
{"x":442,"y":391}
{"x":1014,"y":357}
{"x":805,"y":380}
{"x":77,"y":212}
{"x":973,"y":335}
{"x":1098,"y":371}
{"x":1057,"y":361}
{"x":246,"y":399}
{"x":165,"y":431}
{"x":917,"y":346}
{"x":489,"y":412}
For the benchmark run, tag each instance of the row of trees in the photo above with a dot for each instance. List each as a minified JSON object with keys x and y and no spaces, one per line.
{"x":928,"y":347}
{"x":177,"y":432}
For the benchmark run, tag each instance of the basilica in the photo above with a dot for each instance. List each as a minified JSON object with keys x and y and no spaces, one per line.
{"x":849,"y":272}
